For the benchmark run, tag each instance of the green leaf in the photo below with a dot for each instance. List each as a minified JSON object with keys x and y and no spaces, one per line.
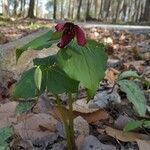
{"x":54,"y":79}
{"x":5,"y":133}
{"x":26,"y":87}
{"x":146,"y":124}
{"x":85,"y":64}
{"x":132,"y":125}
{"x":56,"y":35}
{"x":58,"y":82}
{"x":46,"y":61}
{"x":134,"y":94}
{"x":128,"y":74}
{"x":23,"y":107}
{"x":37,"y":44}
{"x":38,"y":77}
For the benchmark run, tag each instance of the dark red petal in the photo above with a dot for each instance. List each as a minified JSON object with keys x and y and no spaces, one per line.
{"x":66,"y":39}
{"x":80,"y":35}
{"x":59,"y":27}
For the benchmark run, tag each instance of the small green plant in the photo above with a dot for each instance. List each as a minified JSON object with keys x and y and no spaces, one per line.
{"x":127,"y":82}
{"x":78,"y":62}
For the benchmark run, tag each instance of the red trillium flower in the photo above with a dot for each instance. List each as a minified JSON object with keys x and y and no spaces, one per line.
{"x":69,"y":31}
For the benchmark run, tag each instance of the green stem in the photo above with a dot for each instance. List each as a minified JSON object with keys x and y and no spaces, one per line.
{"x":66,"y":122}
{"x":71,"y":125}
{"x":70,"y":101}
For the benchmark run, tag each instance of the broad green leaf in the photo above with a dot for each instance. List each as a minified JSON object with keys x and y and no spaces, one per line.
{"x":58,"y":82}
{"x":128,"y":74}
{"x":54,"y":79}
{"x":146,"y":124}
{"x":38,"y":77}
{"x":132,"y":125}
{"x":56,"y":35}
{"x":85,"y":64}
{"x":37,"y":44}
{"x":134,"y":94}
{"x":23,"y":107}
{"x":46,"y":61}
{"x":26,"y":87}
{"x":5,"y":133}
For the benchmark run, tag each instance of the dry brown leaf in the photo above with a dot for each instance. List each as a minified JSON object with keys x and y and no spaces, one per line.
{"x":7,"y":113}
{"x":55,"y":112}
{"x":95,"y":116}
{"x":143,"y":145}
{"x":89,"y":117}
{"x":111,"y":75}
{"x":35,"y":126}
{"x":126,"y":136}
{"x":82,"y":106}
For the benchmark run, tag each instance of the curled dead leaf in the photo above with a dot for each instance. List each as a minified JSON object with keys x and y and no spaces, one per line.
{"x":126,"y":136}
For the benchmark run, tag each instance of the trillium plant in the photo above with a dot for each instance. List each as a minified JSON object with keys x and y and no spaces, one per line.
{"x":78,"y":63}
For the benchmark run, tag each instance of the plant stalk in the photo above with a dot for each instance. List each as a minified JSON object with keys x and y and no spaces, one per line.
{"x":71,"y":124}
{"x":68,"y":121}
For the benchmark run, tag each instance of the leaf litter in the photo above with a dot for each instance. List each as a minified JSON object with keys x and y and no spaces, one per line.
{"x":38,"y":126}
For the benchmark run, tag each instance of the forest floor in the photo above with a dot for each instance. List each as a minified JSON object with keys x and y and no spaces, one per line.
{"x":99,"y":124}
{"x":11,"y":29}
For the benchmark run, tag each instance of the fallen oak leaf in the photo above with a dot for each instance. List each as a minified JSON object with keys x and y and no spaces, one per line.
{"x":126,"y":136}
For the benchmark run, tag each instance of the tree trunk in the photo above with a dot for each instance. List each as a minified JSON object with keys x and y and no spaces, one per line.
{"x":137,"y":11}
{"x":146,"y":15}
{"x":21,"y":7}
{"x":79,"y":9}
{"x":88,"y":10}
{"x":101,"y":10}
{"x":124,"y":10}
{"x":72,"y":9}
{"x":117,"y":10}
{"x":69,"y":9}
{"x":95,"y":12}
{"x":15,"y":8}
{"x":5,"y":8}
{"x":54,"y":9}
{"x":31,"y":9}
{"x":24,"y":3}
{"x":62,"y":14}
{"x":37,"y":8}
{"x":106,"y":8}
